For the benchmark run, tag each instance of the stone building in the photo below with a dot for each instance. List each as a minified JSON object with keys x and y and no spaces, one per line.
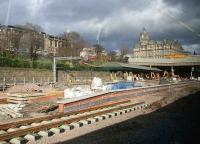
{"x":92,"y":54}
{"x":147,"y":48}
{"x":88,"y":53}
{"x":14,"y":39}
{"x":9,"y":38}
{"x":52,"y":44}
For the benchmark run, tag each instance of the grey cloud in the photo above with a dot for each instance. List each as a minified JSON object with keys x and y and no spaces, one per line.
{"x":122,"y":21}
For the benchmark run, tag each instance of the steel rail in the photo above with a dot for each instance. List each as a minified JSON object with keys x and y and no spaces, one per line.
{"x":50,"y":117}
{"x":22,"y":132}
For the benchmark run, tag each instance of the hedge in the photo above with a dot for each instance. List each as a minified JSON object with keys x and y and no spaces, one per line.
{"x":41,"y":64}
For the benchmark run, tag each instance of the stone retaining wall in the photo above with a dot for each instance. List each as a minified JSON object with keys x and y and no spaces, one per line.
{"x":29,"y":75}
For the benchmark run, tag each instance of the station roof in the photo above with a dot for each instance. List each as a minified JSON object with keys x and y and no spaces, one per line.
{"x":126,"y":66}
{"x":186,"y":61}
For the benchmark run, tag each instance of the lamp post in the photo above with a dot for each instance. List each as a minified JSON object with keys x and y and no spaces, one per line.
{"x":191,"y":75}
{"x":172,"y":71}
{"x":54,"y":66}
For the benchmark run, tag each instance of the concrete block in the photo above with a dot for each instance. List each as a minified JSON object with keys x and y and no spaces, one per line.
{"x":55,"y":120}
{"x":24,"y":127}
{"x":129,"y":110}
{"x":18,"y":140}
{"x":79,"y":114}
{"x":57,"y":130}
{"x":86,"y":113}
{"x":134,"y":108}
{"x":123,"y":111}
{"x":98,"y":110}
{"x":105,"y":116}
{"x":117,"y":113}
{"x":32,"y":137}
{"x":138,"y":108}
{"x":35,"y":124}
{"x":65,"y":118}
{"x":92,"y":120}
{"x":3,"y":142}
{"x":2,"y":132}
{"x":65,"y":127}
{"x":45,"y":122}
{"x":72,"y":116}
{"x":12,"y":129}
{"x":120,"y":112}
{"x":45,"y":133}
{"x":109,"y":108}
{"x":84,"y":122}
{"x":76,"y":124}
{"x":111,"y":114}
{"x":99,"y":118}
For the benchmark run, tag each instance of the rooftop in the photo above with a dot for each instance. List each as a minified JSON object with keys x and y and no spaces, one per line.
{"x":185,"y":61}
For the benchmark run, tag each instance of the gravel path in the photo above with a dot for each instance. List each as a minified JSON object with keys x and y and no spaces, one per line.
{"x":176,"y":123}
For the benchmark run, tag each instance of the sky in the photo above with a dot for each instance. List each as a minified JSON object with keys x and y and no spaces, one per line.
{"x":116,"y":23}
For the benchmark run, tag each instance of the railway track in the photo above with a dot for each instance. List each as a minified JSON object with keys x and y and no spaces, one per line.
{"x":29,"y":121}
{"x":25,"y":130}
{"x":35,"y":128}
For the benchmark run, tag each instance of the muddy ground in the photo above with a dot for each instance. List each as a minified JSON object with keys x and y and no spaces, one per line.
{"x":176,"y":123}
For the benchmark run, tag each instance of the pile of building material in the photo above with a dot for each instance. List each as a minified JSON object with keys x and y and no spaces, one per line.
{"x":22,"y":98}
{"x":3,"y":100}
{"x":27,"y":88}
{"x":48,"y":97}
{"x":13,"y":110}
{"x":29,"y":93}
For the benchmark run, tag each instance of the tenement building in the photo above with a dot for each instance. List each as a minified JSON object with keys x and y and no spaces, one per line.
{"x":147,"y":48}
{"x":19,"y":39}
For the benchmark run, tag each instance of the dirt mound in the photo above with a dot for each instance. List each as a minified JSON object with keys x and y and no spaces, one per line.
{"x":24,"y":88}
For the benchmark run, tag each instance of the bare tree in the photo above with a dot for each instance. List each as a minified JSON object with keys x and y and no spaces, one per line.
{"x":124,"y":51}
{"x":32,"y":40}
{"x":73,"y":44}
{"x":99,"y":49}
{"x":31,"y":26}
{"x":112,"y":55}
{"x":123,"y":58}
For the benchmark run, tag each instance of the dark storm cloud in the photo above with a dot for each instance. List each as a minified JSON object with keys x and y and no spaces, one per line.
{"x":121,"y":21}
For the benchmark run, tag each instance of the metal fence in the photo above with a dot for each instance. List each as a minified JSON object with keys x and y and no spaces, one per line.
{"x":6,"y":82}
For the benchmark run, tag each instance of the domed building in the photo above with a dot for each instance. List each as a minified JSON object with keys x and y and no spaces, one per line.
{"x":147,"y":48}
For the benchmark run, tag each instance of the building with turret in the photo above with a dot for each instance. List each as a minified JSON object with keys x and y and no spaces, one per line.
{"x":147,"y":48}
{"x":167,"y":55}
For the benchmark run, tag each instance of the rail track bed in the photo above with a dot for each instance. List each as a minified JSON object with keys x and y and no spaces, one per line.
{"x":33,"y":129}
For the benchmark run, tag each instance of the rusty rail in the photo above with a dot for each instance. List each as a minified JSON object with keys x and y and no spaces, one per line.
{"x":50,"y":117}
{"x":22,"y":132}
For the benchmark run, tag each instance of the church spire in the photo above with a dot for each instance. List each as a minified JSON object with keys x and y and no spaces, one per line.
{"x":144,"y":29}
{"x":144,"y":36}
